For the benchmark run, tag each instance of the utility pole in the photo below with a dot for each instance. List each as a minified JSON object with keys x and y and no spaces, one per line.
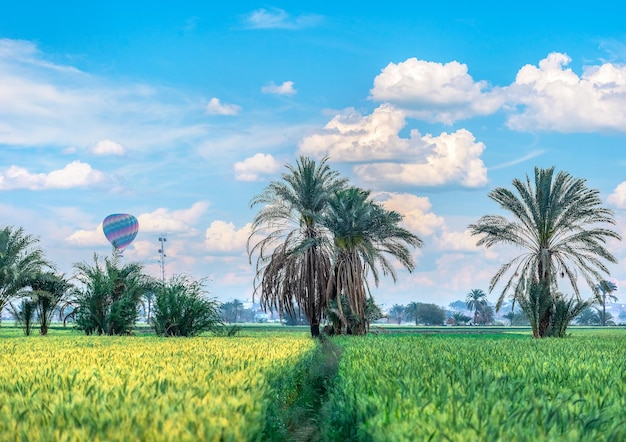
{"x":162,"y":240}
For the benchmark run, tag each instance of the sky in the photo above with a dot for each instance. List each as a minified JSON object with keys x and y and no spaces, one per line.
{"x":180,"y":113}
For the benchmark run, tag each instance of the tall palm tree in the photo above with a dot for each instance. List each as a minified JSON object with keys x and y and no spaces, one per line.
{"x":475,"y":300}
{"x":364,"y":233}
{"x":605,"y":290}
{"x":561,"y":226}
{"x":293,"y":258}
{"x":20,"y":259}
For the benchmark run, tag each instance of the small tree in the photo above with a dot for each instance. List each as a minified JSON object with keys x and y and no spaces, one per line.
{"x":182,"y":308}
{"x":24,"y":314}
{"x":605,"y":290}
{"x":430,"y":314}
{"x":49,"y":292}
{"x":397,"y":313}
{"x":460,"y":318}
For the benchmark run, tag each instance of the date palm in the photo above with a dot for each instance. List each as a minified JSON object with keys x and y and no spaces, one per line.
{"x":364,"y":235}
{"x":559,"y":224}
{"x":48,"y":292}
{"x":475,"y":300}
{"x":293,"y":258}
{"x":20,"y":259}
{"x":605,"y":290}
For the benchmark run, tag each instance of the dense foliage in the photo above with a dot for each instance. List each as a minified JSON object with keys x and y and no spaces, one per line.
{"x":182,"y":308}
{"x":20,"y":259}
{"x":109,"y":298}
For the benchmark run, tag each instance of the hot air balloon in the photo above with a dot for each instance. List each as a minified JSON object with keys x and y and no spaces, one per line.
{"x":120,"y":229}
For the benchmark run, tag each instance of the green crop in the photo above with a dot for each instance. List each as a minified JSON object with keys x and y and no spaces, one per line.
{"x":463,"y":388}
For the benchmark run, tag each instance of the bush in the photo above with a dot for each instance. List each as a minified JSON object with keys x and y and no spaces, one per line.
{"x":181,"y":308}
{"x":109,"y":299}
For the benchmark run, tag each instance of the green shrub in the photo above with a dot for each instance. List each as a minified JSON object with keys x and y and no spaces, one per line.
{"x":181,"y":308}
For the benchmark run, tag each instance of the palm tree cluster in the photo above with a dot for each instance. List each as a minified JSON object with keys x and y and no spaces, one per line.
{"x":317,"y":239}
{"x":560,"y":225}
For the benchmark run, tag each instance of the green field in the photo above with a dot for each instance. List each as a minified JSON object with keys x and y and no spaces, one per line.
{"x":266,"y":384}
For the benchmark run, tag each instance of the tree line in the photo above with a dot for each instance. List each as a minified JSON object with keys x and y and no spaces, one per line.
{"x":318,"y":243}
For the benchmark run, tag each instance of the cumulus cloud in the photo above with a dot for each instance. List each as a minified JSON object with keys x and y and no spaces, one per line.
{"x":283,"y":89}
{"x":434,"y":91}
{"x":618,"y":197}
{"x":448,"y":158}
{"x":458,"y":241}
{"x":107,"y":147}
{"x":181,"y":221}
{"x":415,"y":209}
{"x":251,"y":168}
{"x":75,"y":174}
{"x":553,"y":97}
{"x":426,"y":160}
{"x":351,"y":136}
{"x":223,"y":237}
{"x":87,"y":238}
{"x":275,"y":18}
{"x":216,"y":107}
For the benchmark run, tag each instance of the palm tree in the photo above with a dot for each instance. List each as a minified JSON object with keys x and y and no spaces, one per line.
{"x":474,"y":300}
{"x":605,"y":290}
{"x":397,"y":312}
{"x":48,"y":292}
{"x":589,"y":316}
{"x":411,"y":311}
{"x":363,"y":234}
{"x":20,"y":259}
{"x":460,"y":318}
{"x":110,"y":295}
{"x":294,"y":262}
{"x":560,"y":224}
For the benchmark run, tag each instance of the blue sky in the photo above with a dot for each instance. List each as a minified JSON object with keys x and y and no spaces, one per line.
{"x":181,"y":113}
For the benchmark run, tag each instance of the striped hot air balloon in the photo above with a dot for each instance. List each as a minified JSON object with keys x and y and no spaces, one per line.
{"x":120,"y":229}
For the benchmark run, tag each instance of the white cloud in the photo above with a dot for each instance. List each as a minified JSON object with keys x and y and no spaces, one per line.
{"x":107,"y":147}
{"x":72,"y":108}
{"x":555,"y":98}
{"x":75,"y":174}
{"x":434,"y":91}
{"x":216,"y":107}
{"x":223,"y":237}
{"x":275,"y":18}
{"x":458,"y":241}
{"x":618,"y":197}
{"x":414,"y":209}
{"x":163,"y":220}
{"x":87,"y":238}
{"x":350,"y":136}
{"x":284,"y":89}
{"x":448,"y":158}
{"x":427,"y":160}
{"x":251,"y":168}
